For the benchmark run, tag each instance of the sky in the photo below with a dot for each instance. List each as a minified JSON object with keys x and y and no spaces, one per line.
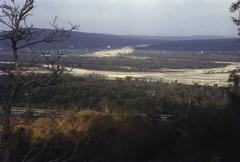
{"x":140,"y":17}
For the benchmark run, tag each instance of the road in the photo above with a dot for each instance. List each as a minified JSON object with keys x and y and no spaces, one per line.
{"x":38,"y":112}
{"x":18,"y":111}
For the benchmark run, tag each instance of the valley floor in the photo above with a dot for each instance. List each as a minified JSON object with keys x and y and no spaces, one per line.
{"x":211,"y":76}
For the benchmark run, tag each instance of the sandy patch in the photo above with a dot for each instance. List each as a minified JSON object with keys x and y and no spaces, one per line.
{"x":137,"y":57}
{"x":112,"y":53}
{"x":213,"y":76}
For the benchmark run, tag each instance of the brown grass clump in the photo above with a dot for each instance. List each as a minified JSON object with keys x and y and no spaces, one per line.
{"x":76,"y":123}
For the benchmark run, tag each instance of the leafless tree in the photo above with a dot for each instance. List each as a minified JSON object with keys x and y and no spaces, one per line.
{"x":19,"y":78}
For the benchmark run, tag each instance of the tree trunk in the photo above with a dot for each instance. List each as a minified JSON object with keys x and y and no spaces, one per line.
{"x":6,"y":133}
{"x":16,"y":59}
{"x":7,"y":130}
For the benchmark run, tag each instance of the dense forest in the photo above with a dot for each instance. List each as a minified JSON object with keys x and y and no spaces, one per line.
{"x":128,"y":95}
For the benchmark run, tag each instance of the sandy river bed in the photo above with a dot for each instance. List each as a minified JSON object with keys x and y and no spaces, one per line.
{"x":214,"y":76}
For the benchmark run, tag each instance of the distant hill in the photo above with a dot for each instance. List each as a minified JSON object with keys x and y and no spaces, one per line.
{"x":80,"y":40}
{"x":196,"y":45}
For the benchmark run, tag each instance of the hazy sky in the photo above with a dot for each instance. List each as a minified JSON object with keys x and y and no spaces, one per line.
{"x":140,"y":17}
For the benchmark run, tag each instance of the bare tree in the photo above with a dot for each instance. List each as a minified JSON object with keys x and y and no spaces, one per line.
{"x":21,"y":77}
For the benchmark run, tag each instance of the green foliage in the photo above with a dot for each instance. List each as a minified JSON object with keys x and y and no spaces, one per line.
{"x":234,"y":78}
{"x":235,"y":8}
{"x":129,"y":96}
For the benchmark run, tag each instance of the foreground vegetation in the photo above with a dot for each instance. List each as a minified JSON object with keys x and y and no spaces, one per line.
{"x":92,"y":136}
{"x":124,"y":122}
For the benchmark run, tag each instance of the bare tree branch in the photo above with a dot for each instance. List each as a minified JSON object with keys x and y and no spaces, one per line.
{"x":21,"y":77}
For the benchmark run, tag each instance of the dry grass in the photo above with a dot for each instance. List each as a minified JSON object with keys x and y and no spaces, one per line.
{"x":76,"y":123}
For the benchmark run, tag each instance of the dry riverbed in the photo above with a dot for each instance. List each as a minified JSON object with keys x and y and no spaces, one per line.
{"x":210,"y":76}
{"x":214,"y":76}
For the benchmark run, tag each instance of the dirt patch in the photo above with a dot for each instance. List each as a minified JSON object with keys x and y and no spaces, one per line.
{"x":112,"y":53}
